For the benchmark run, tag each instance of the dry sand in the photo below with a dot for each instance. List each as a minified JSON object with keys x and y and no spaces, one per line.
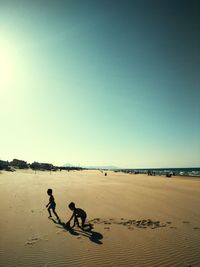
{"x":138,"y":220}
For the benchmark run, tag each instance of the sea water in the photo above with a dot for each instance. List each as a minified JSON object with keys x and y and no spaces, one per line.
{"x":193,"y":172}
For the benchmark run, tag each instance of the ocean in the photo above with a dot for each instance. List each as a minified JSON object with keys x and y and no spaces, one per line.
{"x":193,"y":172}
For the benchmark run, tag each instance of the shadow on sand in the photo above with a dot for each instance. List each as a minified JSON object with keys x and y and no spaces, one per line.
{"x":87,"y":232}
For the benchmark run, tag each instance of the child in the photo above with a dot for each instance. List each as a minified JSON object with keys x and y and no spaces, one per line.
{"x":51,"y":204}
{"x":77,"y":213}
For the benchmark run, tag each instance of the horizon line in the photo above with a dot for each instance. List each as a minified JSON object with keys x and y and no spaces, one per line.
{"x":106,"y":166}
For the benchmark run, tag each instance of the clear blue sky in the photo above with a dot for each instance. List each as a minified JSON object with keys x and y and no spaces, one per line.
{"x":100,"y":82}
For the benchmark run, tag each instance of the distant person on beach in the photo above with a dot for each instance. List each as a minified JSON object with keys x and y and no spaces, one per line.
{"x":52,"y":204}
{"x":77,"y":213}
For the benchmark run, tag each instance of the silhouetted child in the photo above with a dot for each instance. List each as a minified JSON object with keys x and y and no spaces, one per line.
{"x":77,"y":213}
{"x":51,"y":204}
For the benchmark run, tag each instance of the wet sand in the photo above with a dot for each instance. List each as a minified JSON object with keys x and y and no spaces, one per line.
{"x":138,"y":220}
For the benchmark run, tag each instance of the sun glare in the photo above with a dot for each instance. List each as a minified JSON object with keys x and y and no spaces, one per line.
{"x":6,"y":65}
{"x":4,"y":69}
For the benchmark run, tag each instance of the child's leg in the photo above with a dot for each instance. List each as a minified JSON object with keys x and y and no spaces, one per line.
{"x":55,"y":213}
{"x":83,"y":219}
{"x":76,"y":220}
{"x":49,"y":212}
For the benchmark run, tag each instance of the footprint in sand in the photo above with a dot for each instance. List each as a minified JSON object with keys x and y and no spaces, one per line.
{"x":185,"y":222}
{"x":129,"y":223}
{"x":96,"y":220}
{"x":32,"y":240}
{"x":133,"y":221}
{"x":142,"y":226}
{"x":58,"y":232}
{"x":196,"y":228}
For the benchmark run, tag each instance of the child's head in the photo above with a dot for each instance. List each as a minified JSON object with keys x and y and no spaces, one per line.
{"x":49,"y":192}
{"x":72,"y":206}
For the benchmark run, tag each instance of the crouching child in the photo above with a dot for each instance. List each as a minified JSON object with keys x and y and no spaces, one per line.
{"x":77,"y":213}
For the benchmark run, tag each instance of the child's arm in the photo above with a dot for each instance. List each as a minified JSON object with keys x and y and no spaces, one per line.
{"x":48,"y":204}
{"x":71,"y":217}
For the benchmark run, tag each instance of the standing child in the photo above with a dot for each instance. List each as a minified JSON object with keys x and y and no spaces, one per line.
{"x":77,"y":213}
{"x":52,"y":204}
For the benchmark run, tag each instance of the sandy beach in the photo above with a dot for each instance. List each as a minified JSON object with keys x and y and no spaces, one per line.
{"x":138,"y":220}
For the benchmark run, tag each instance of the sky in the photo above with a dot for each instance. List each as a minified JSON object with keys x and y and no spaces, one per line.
{"x":95,"y":83}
